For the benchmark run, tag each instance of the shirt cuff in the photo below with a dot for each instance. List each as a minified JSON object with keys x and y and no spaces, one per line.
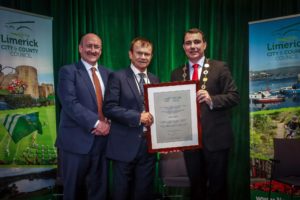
{"x":211,"y":106}
{"x":96,"y":124}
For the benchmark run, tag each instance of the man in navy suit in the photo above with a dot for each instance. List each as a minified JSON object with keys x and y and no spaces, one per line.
{"x":133,"y":166}
{"x":82,"y":134}
{"x":207,"y":167}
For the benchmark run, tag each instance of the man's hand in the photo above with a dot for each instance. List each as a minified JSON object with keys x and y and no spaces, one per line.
{"x":146,"y":118}
{"x":102,"y":128}
{"x":203,"y":96}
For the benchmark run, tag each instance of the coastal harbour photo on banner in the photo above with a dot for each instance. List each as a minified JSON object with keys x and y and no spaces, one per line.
{"x":274,"y":75}
{"x":27,"y":103}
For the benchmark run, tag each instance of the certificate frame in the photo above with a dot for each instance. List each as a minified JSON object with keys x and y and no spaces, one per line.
{"x":175,"y":110}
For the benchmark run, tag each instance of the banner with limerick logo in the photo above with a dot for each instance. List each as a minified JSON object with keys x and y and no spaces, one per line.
{"x":27,"y":107}
{"x":274,"y":74}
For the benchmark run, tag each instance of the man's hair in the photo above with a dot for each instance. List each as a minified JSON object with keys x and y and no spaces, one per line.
{"x":144,"y":43}
{"x":193,"y":31}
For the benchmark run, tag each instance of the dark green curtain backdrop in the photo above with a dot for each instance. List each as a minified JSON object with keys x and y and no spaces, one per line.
{"x":225,"y":23}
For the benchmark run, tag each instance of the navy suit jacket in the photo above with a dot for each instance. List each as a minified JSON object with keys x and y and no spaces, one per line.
{"x":79,"y":111}
{"x":123,"y":105}
{"x":216,"y":126}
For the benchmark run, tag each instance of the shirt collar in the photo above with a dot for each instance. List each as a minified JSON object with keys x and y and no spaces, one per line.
{"x":88,"y":66}
{"x":135,"y":70}
{"x":200,"y":62}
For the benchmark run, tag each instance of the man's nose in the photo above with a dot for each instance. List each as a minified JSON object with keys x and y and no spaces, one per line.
{"x":193,"y":45}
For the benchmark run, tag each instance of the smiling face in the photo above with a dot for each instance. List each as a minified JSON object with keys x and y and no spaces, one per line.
{"x":141,"y":55}
{"x":194,"y":46}
{"x":90,"y":48}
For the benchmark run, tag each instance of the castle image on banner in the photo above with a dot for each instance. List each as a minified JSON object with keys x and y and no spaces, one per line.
{"x":28,"y":75}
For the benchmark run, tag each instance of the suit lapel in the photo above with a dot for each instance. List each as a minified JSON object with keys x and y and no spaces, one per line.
{"x":87,"y":80}
{"x":201,"y":76}
{"x":185,"y":73}
{"x":132,"y":84}
{"x":103,"y":75}
{"x":151,"y":78}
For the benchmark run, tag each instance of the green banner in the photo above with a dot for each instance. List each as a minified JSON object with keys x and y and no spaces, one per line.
{"x":27,"y":103}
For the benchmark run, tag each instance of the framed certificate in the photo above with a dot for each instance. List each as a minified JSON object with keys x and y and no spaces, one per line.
{"x":175,"y":110}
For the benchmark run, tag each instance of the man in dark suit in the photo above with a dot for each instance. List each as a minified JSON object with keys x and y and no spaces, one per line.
{"x":83,"y":129}
{"x":133,"y":166}
{"x":207,"y":167}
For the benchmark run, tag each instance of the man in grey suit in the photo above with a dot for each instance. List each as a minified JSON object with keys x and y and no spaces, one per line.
{"x":207,"y":167}
{"x":133,"y":166}
{"x":83,"y":130}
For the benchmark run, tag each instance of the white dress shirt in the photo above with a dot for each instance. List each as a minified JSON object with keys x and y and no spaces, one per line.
{"x":88,"y":69}
{"x":200,"y":67}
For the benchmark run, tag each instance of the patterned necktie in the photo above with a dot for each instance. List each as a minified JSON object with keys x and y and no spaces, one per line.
{"x":141,"y":83}
{"x":195,"y":73}
{"x":98,"y":93}
{"x":141,"y":86}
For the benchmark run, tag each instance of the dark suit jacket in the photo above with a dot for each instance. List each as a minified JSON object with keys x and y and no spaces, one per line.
{"x":216,"y":125}
{"x":79,"y":108}
{"x":123,"y":105}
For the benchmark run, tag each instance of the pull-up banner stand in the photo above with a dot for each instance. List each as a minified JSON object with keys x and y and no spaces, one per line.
{"x":27,"y":106}
{"x":274,"y":74}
